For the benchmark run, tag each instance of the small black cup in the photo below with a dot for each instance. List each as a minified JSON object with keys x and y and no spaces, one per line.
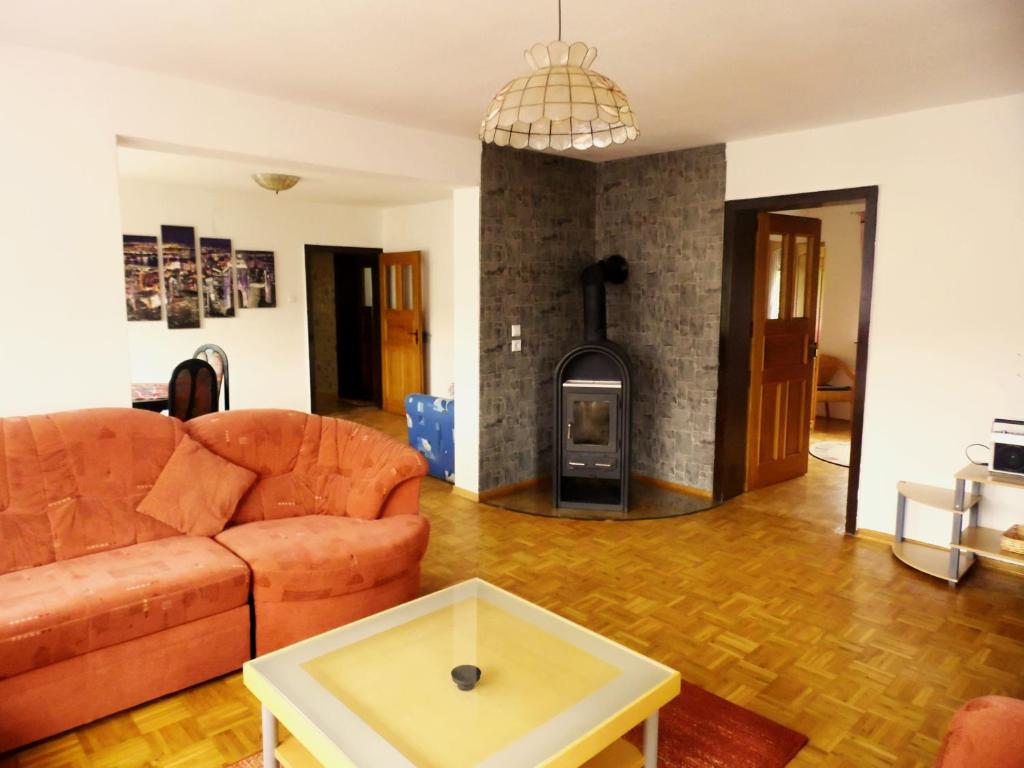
{"x":466,"y":676}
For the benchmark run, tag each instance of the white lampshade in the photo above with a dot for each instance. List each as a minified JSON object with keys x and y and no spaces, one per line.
{"x":563,"y":104}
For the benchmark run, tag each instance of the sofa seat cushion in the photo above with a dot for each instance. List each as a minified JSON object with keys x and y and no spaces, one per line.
{"x":60,"y":610}
{"x":319,"y":556}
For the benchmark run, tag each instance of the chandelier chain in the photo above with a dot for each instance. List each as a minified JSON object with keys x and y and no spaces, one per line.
{"x":559,"y":19}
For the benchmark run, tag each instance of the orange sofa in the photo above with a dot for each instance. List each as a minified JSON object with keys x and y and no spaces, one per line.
{"x":102,"y":607}
{"x":986,"y":732}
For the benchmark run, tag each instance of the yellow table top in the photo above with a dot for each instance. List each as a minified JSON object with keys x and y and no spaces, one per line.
{"x":379,"y":691}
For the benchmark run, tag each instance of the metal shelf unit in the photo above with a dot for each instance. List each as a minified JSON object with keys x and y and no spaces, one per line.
{"x":965,"y":544}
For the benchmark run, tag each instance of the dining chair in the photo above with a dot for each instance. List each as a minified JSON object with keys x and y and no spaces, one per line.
{"x":192,"y":390}
{"x":217,"y":358}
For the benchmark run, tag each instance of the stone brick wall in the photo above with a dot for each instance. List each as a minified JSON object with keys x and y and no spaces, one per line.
{"x":664,"y":213}
{"x":543,"y":218}
{"x":325,"y":329}
{"x":536,"y":234}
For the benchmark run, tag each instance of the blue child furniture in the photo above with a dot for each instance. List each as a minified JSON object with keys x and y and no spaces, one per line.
{"x":431,"y":422}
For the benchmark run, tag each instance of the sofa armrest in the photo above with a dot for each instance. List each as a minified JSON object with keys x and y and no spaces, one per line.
{"x":985,"y":733}
{"x":379,"y":465}
{"x":404,"y":499}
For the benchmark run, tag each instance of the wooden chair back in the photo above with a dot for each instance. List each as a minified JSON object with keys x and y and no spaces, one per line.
{"x":828,"y":366}
{"x":218,"y":359}
{"x":192,"y":390}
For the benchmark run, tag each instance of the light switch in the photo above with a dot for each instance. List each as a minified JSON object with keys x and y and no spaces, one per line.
{"x":517,"y":345}
{"x":517,"y":331}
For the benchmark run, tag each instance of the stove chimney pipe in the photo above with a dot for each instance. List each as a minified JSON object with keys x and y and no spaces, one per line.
{"x":613,"y":269}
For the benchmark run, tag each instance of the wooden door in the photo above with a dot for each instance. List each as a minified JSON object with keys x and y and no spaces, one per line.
{"x":782,"y":348}
{"x":401,"y":325}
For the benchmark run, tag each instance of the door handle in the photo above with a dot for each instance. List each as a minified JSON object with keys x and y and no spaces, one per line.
{"x":415,"y":333}
{"x":568,"y":434}
{"x":812,"y":350}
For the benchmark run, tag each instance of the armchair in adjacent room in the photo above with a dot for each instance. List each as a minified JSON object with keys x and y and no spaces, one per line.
{"x":826,"y":389}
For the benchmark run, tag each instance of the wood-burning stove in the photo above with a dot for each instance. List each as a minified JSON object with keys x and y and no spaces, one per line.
{"x":592,"y":407}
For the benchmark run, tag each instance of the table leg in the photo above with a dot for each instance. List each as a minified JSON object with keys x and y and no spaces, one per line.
{"x":651,"y":741}
{"x":269,"y":738}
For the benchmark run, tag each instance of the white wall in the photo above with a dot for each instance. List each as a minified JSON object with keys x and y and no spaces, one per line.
{"x":946,"y":355}
{"x":61,"y":296}
{"x":63,"y":340}
{"x":466,"y":301}
{"x":840,"y":295}
{"x":428,"y":227}
{"x":267,"y":348}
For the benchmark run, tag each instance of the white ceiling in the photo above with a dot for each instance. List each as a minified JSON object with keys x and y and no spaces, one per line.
{"x":235,"y":175}
{"x":697,"y":71}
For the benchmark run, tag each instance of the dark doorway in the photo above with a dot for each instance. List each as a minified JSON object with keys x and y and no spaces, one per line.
{"x":741,"y":222}
{"x":343,"y":316}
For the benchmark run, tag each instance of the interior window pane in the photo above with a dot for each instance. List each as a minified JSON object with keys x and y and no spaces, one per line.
{"x":591,"y":422}
{"x":392,"y":286}
{"x":367,"y":287}
{"x":801,"y":266}
{"x":774,"y":276}
{"x":407,"y":286}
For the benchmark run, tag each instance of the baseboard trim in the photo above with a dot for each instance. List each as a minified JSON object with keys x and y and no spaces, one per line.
{"x":504,"y":490}
{"x":667,"y":485}
{"x":983,"y":562}
{"x":870,"y":535}
{"x":463,"y":493}
{"x":999,"y":565}
{"x":522,"y":485}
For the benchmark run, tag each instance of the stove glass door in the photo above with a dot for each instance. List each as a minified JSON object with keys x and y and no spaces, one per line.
{"x":591,"y":420}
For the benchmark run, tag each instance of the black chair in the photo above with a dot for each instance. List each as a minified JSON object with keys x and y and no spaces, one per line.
{"x":192,"y":390}
{"x":218,"y":358}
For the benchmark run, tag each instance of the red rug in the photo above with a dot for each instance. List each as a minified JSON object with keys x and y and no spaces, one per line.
{"x":701,"y":730}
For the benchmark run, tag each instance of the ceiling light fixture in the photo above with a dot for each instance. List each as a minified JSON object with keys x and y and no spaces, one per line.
{"x":562,"y":104}
{"x":275,"y":182}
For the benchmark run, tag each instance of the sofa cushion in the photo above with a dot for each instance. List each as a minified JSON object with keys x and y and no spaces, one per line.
{"x":197,"y":492}
{"x":318,"y":556}
{"x":70,"y":482}
{"x":64,"y":609}
{"x":985,"y":733}
{"x":308,"y":464}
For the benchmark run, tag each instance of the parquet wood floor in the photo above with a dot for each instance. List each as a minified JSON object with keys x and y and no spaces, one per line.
{"x":761,"y":601}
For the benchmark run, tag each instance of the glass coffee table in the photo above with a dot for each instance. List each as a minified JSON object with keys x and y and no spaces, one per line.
{"x":379,"y":693}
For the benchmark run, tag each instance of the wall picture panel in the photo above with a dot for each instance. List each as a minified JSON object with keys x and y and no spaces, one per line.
{"x":215,"y":258}
{"x":142,"y":277}
{"x":255,"y":279}
{"x":181,"y":284}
